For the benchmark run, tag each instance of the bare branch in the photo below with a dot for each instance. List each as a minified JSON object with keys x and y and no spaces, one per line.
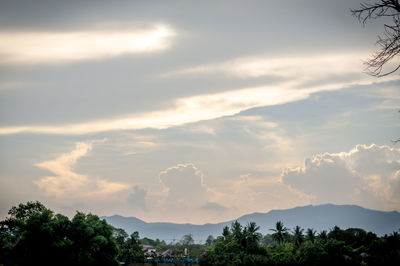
{"x":389,"y":42}
{"x":372,"y":11}
{"x":395,"y":141}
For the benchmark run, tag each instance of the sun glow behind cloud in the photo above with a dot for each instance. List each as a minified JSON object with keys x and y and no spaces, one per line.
{"x":187,"y":110}
{"x":301,"y":77}
{"x":56,"y":47}
{"x":306,"y":66}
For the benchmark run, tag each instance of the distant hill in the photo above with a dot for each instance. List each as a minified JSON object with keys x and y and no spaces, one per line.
{"x":320,"y":217}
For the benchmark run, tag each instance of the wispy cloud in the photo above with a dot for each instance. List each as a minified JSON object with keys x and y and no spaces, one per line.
{"x":55,"y":47}
{"x":65,"y":179}
{"x":302,"y":76}
{"x":305,"y":66}
{"x":68,"y":185}
{"x":186,"y":110}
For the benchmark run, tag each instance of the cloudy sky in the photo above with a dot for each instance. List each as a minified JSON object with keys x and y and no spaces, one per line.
{"x":193,"y":111}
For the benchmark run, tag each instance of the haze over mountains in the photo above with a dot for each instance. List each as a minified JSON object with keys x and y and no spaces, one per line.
{"x":320,"y":217}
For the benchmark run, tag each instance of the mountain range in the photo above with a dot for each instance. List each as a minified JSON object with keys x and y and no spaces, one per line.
{"x":320,"y":217}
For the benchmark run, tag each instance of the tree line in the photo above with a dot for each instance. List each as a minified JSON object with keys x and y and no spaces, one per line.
{"x":240,"y":245}
{"x":33,"y":234}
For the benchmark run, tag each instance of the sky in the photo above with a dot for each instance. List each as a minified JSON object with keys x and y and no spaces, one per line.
{"x":193,"y":111}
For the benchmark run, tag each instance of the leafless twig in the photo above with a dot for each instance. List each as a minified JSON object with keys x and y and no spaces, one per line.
{"x":389,"y":42}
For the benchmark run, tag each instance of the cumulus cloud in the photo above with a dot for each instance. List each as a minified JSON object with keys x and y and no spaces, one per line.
{"x":67,"y":184}
{"x":55,"y":47}
{"x":185,"y":195}
{"x":184,"y":185}
{"x":366,"y":175}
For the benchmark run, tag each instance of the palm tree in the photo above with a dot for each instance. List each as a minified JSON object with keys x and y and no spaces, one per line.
{"x":280,"y":232}
{"x":311,"y":235}
{"x":252,"y":235}
{"x":298,"y":236}
{"x":323,"y":235}
{"x":335,"y":233}
{"x":237,"y":233}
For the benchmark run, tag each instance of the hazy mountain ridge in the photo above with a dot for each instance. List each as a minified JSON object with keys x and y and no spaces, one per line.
{"x":320,"y":217}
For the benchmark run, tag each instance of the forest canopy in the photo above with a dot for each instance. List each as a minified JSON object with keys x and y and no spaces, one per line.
{"x":33,"y":234}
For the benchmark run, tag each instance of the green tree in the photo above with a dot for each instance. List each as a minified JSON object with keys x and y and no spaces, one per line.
{"x":210,"y":240}
{"x":24,"y":211}
{"x":267,"y":240}
{"x":120,"y":237}
{"x":280,"y":232}
{"x":282,"y":254}
{"x":323,"y":235}
{"x":237,"y":233}
{"x":238,"y":247}
{"x":252,"y":235}
{"x":310,"y":235}
{"x":187,"y":240}
{"x":313,"y":254}
{"x":335,"y":233}
{"x":225,"y":232}
{"x":298,"y":236}
{"x":93,"y":242}
{"x":32,"y":234}
{"x":133,"y":250}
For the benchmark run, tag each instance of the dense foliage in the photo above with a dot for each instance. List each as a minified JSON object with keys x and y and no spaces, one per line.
{"x":34,"y":235}
{"x":244,"y":246}
{"x":129,"y":247}
{"x":237,"y":246}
